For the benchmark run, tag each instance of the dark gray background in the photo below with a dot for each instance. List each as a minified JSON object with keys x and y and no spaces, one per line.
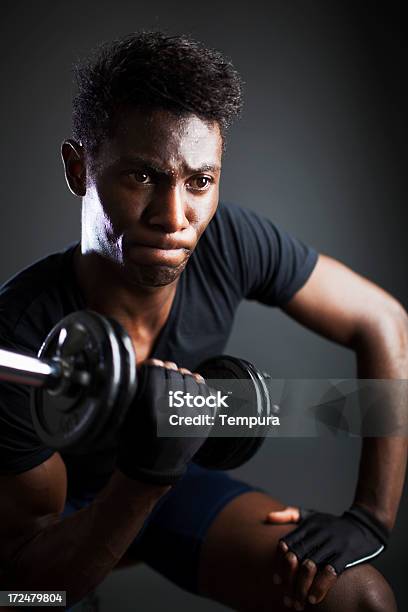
{"x":320,"y":150}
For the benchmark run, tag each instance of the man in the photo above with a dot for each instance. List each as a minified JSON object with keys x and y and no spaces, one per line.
{"x":160,"y":255}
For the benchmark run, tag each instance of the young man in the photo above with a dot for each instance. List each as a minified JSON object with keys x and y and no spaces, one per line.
{"x":162,"y":256}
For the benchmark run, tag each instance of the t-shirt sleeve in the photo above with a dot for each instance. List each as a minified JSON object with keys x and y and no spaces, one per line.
{"x":269,"y":264}
{"x":20,"y":447}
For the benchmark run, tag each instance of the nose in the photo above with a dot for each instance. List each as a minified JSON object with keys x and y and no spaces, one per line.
{"x":167,"y":213}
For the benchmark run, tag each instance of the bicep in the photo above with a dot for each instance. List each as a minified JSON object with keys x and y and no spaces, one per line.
{"x":338,"y":303}
{"x":28,"y":502}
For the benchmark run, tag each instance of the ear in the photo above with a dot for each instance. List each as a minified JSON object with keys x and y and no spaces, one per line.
{"x":74,"y":163}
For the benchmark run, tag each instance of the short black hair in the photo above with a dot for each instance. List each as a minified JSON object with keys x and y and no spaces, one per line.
{"x":152,"y":70}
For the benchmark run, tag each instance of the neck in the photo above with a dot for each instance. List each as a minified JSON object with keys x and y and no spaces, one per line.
{"x":104,"y":290}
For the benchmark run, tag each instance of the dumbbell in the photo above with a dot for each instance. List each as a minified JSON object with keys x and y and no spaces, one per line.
{"x":82,"y":380}
{"x":251,"y":393}
{"x":85,"y":376}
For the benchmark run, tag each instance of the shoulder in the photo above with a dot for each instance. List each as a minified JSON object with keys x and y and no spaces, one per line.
{"x":240,"y":227}
{"x":228,"y":248}
{"x":261,"y":259}
{"x":30,"y":297}
{"x":31,"y":303}
{"x":221,"y":237}
{"x":228,"y":228}
{"x":230,"y":215}
{"x":237,"y":231}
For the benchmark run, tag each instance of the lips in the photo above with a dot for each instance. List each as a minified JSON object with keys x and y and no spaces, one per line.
{"x":160,"y":253}
{"x":164,"y":245}
{"x":160,"y":246}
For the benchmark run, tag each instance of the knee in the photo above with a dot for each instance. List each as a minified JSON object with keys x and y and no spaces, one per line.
{"x":378,"y":598}
{"x":371,"y":590}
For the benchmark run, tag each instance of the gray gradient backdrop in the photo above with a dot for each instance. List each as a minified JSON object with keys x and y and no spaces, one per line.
{"x":320,"y":150}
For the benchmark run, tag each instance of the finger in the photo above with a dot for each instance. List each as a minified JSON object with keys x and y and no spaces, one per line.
{"x":170,"y":365}
{"x":303,"y":581}
{"x":153,"y":361}
{"x":287,"y":570}
{"x":305,"y":540}
{"x":322,"y":583}
{"x":184,"y":371}
{"x":282,"y":549}
{"x":195,"y":375}
{"x":198,"y":377}
{"x":290,"y":514}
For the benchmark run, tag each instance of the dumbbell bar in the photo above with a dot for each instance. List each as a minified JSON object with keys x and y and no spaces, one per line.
{"x":27,"y":370}
{"x":85,"y":377}
{"x":83,"y":380}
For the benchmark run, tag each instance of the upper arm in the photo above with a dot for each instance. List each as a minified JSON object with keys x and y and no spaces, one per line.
{"x":28,"y":502}
{"x":339,"y":304}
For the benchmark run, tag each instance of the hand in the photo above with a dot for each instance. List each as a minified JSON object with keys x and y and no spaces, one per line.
{"x":143,"y":454}
{"x":311,"y":557}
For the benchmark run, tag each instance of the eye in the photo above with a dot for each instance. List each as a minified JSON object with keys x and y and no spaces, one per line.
{"x":200,"y":183}
{"x":140,"y":176}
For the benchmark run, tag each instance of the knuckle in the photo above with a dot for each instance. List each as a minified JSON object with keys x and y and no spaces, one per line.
{"x":171,"y":365}
{"x":154,"y":361}
{"x":329,"y":571}
{"x":283,"y":546}
{"x":308,"y":567}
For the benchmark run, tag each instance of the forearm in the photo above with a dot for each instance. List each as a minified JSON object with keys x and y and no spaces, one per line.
{"x":76,"y":553}
{"x":382,"y":353}
{"x":381,"y":477}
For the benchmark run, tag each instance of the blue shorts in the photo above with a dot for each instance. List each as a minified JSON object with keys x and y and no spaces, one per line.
{"x":171,"y":537}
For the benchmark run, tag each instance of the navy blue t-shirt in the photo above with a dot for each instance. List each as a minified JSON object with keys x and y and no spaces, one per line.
{"x":241,"y":255}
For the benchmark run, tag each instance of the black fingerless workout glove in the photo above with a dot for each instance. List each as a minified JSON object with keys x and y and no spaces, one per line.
{"x":341,"y":541}
{"x":143,"y":454}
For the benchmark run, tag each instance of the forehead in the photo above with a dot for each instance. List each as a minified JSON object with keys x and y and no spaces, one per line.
{"x":166,"y":139}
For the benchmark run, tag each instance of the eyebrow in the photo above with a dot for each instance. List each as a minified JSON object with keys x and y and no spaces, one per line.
{"x":151,"y":165}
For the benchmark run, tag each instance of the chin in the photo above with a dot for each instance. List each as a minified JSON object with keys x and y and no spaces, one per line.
{"x":157,"y":276}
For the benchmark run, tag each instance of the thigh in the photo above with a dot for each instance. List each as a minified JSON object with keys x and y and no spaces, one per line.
{"x":172,"y":537}
{"x":238,"y":560}
{"x":238,"y":556}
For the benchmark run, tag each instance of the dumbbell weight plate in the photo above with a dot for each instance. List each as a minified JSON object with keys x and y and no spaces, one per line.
{"x":128,"y":385}
{"x":86,"y":341}
{"x":227,"y":453}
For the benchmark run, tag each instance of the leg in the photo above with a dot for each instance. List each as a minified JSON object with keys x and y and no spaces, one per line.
{"x":237,"y":563}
